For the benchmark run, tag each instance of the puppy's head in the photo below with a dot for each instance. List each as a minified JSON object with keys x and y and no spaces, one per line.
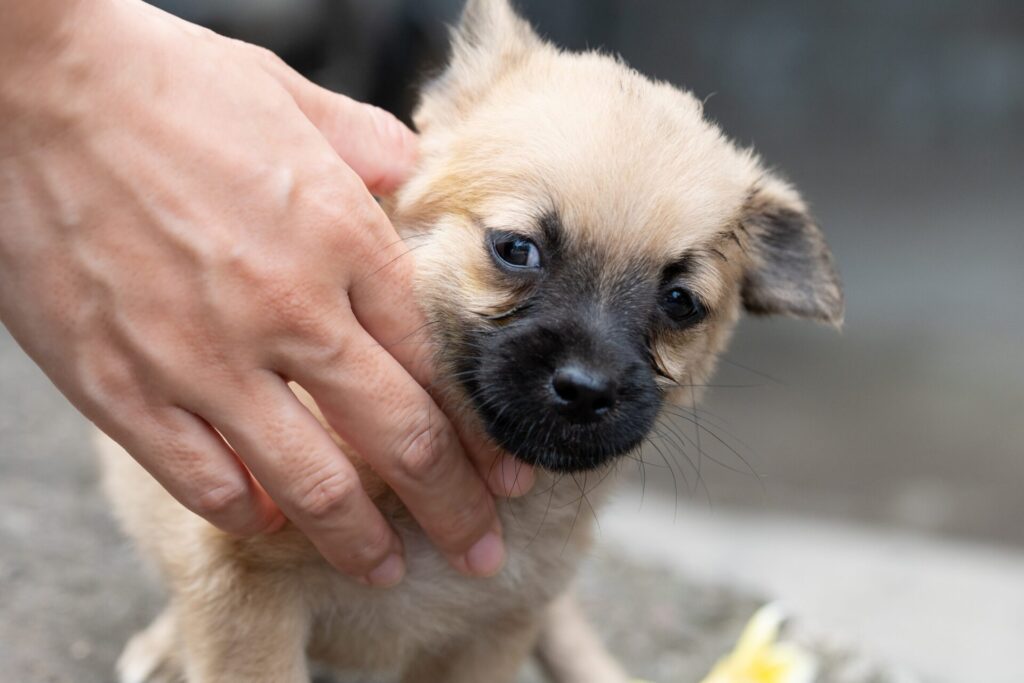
{"x":586,"y":241}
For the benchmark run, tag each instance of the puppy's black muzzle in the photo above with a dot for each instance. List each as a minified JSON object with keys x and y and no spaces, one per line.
{"x":567,"y":392}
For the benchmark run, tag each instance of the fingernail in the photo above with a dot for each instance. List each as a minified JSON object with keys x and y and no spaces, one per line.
{"x":513,"y":477}
{"x":388,"y":573}
{"x":486,"y":557}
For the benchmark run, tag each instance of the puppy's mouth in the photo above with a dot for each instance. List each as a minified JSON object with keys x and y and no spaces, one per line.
{"x":554,"y":443}
{"x":565,"y":407}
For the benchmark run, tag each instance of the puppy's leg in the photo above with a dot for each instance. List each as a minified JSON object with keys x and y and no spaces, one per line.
{"x":494,"y":654}
{"x":151,"y":656}
{"x":568,"y":649}
{"x":243,"y":631}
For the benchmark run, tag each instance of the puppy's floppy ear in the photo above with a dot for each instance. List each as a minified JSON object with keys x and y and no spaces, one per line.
{"x":489,"y":40}
{"x":791,"y":270}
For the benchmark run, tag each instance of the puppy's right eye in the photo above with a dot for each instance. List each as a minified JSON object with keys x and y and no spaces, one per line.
{"x":515,"y":251}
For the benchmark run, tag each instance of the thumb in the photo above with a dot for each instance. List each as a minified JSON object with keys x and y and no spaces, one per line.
{"x":373,"y":142}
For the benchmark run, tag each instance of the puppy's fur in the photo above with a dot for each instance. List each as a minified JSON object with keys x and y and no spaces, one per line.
{"x":628,"y":195}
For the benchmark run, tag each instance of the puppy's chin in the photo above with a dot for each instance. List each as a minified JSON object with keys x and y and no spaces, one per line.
{"x":564,"y":448}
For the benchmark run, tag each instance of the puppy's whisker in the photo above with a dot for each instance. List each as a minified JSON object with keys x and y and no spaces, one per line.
{"x":696,"y":422}
{"x":575,"y":518}
{"x":547,"y":508}
{"x":719,"y":422}
{"x":770,"y":378}
{"x":593,"y":511}
{"x":407,"y":252}
{"x":749,"y":471}
{"x":406,"y":339}
{"x":675,"y":483}
{"x":677,"y":441}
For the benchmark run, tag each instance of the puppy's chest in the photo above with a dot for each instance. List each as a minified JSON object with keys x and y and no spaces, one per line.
{"x":545,"y":533}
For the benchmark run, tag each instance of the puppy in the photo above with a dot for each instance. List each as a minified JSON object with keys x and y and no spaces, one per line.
{"x":586,"y":241}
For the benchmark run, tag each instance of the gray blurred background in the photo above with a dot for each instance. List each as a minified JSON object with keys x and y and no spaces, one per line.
{"x":873,"y":478}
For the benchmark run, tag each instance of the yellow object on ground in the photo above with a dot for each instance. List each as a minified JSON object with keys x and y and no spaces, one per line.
{"x":760,"y":658}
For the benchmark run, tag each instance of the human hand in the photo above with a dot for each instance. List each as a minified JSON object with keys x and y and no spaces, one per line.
{"x":187,"y":225}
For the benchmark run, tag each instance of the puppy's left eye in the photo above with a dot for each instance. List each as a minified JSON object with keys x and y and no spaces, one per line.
{"x":683,"y":306}
{"x":515,"y":251}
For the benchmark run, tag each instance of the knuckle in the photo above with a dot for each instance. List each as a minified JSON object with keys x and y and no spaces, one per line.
{"x":222,"y":504}
{"x":423,"y":458}
{"x":320,"y":339}
{"x":362,"y":557}
{"x":468,"y":521}
{"x":302,"y":308}
{"x":259,"y":273}
{"x":329,"y":199}
{"x":380,"y":244}
{"x":327,"y":337}
{"x":266,"y":56}
{"x":328,"y":495}
{"x":344,"y":213}
{"x":294,"y":308}
{"x":102,"y":379}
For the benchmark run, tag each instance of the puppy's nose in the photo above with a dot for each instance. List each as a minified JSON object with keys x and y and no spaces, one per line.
{"x":583,"y":394}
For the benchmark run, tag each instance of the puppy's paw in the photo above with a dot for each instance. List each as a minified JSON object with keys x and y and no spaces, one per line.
{"x":151,"y":656}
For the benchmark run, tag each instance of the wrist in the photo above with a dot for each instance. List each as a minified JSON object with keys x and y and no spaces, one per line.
{"x":48,"y":50}
{"x":33,"y":34}
{"x":31,"y":30}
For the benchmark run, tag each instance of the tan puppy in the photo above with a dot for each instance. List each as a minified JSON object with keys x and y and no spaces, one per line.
{"x":586,"y":242}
